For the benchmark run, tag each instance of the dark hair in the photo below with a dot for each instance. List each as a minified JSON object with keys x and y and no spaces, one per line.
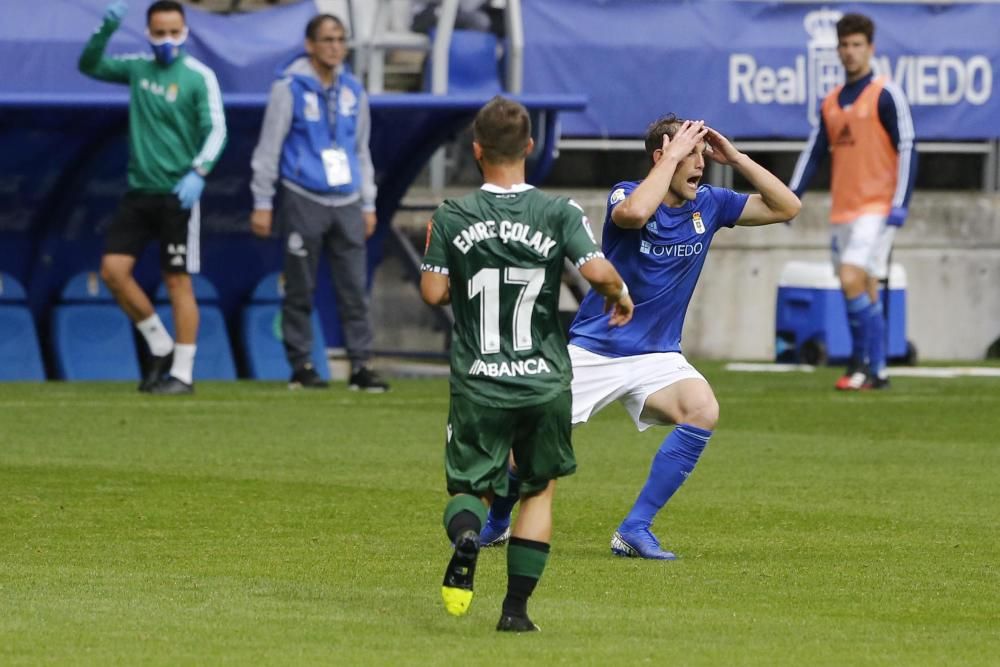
{"x":164,"y":6}
{"x":502,"y":128}
{"x":315,"y":22}
{"x":856,"y":24}
{"x":665,"y":125}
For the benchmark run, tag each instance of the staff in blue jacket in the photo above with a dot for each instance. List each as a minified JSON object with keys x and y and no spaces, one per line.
{"x":314,"y":139}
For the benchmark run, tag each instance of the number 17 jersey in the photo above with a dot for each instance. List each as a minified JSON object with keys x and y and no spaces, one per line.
{"x":503,"y":252}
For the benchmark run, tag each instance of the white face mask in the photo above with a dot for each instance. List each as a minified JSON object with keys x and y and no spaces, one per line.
{"x":167,"y":49}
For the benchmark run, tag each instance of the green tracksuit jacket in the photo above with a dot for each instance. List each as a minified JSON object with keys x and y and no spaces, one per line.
{"x":176,"y":121}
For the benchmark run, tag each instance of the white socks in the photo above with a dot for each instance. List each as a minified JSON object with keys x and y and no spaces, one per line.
{"x":159,"y":341}
{"x":161,"y":344}
{"x":183,"y":368}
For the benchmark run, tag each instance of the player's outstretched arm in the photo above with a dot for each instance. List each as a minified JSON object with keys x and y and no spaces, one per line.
{"x":435,"y":288}
{"x":774,"y":201}
{"x":636,"y":210}
{"x":93,"y":62}
{"x":604,"y":278}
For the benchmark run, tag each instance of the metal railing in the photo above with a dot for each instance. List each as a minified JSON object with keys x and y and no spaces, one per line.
{"x":989,"y":149}
{"x":372,"y":49}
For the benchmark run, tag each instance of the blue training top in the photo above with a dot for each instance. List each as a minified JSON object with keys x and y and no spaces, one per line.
{"x":660,"y":262}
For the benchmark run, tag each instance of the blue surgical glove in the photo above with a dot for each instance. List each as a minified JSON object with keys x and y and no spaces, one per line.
{"x":188,"y":189}
{"x":116,"y":11}
{"x":897,"y":216}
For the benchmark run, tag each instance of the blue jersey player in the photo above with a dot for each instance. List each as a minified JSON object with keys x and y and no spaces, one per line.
{"x":657,"y":233}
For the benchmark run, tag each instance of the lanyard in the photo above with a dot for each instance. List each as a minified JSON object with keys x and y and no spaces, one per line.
{"x":332,"y":122}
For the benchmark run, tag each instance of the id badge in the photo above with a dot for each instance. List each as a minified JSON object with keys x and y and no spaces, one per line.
{"x":338,"y":171}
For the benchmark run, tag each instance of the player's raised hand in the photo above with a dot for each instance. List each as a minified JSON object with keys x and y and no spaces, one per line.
{"x":720,"y":149}
{"x":116,"y":11}
{"x":685,"y":139}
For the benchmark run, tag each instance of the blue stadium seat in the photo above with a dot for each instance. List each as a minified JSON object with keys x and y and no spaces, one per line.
{"x":214,"y":359}
{"x":86,"y":287}
{"x":260,"y":328}
{"x":17,"y":248}
{"x":20,"y":356}
{"x":270,"y":289}
{"x":92,"y":339}
{"x":472,"y":64}
{"x":204,"y":290}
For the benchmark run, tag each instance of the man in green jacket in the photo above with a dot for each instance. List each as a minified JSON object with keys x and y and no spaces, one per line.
{"x":177,"y":130}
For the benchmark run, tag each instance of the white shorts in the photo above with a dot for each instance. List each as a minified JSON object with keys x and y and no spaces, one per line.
{"x":864,"y":242}
{"x":599,"y":381}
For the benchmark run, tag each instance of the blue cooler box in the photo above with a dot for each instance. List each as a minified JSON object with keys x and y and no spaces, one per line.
{"x":811,"y":316}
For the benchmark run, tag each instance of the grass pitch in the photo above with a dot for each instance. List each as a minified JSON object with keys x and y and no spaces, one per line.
{"x":252,"y":525}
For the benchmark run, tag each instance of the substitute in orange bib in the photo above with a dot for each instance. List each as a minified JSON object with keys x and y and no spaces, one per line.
{"x":866,"y":128}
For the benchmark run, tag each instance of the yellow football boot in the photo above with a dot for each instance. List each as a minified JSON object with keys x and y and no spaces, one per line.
{"x":456,"y":589}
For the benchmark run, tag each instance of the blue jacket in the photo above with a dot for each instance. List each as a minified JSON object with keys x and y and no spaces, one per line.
{"x":302,"y":120}
{"x":314,"y":110}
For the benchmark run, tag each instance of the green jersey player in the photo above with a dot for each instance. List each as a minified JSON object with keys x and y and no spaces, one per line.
{"x":497,"y":256}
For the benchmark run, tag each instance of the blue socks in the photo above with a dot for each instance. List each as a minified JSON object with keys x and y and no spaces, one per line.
{"x":857,"y":320}
{"x":876,"y":343}
{"x":867,"y":324}
{"x":503,"y":505}
{"x":671,"y":466}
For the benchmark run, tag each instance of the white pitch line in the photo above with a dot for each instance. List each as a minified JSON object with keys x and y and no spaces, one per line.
{"x":903,"y":371}
{"x":947,"y":371}
{"x":770,"y":368}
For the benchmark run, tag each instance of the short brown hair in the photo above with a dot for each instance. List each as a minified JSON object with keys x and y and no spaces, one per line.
{"x":665,"y":125}
{"x":502,"y":129}
{"x":315,"y":22}
{"x":856,"y":24}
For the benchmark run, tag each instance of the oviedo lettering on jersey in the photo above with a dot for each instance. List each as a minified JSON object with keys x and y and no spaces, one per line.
{"x":507,"y":232}
{"x":675,"y":250}
{"x":926,"y":80}
{"x":533,"y":366}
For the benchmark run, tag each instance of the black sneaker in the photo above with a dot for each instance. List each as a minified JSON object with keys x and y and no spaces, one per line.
{"x":156,"y":369}
{"x":516,"y":624}
{"x":456,"y":589}
{"x":171,"y":386}
{"x":365,"y":379}
{"x":876,"y":383}
{"x":307,"y":378}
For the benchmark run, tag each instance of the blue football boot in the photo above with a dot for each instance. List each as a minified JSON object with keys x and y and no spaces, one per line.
{"x":495,"y":533}
{"x":639,"y":543}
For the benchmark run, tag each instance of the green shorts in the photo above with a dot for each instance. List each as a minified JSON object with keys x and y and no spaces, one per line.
{"x":480,"y":437}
